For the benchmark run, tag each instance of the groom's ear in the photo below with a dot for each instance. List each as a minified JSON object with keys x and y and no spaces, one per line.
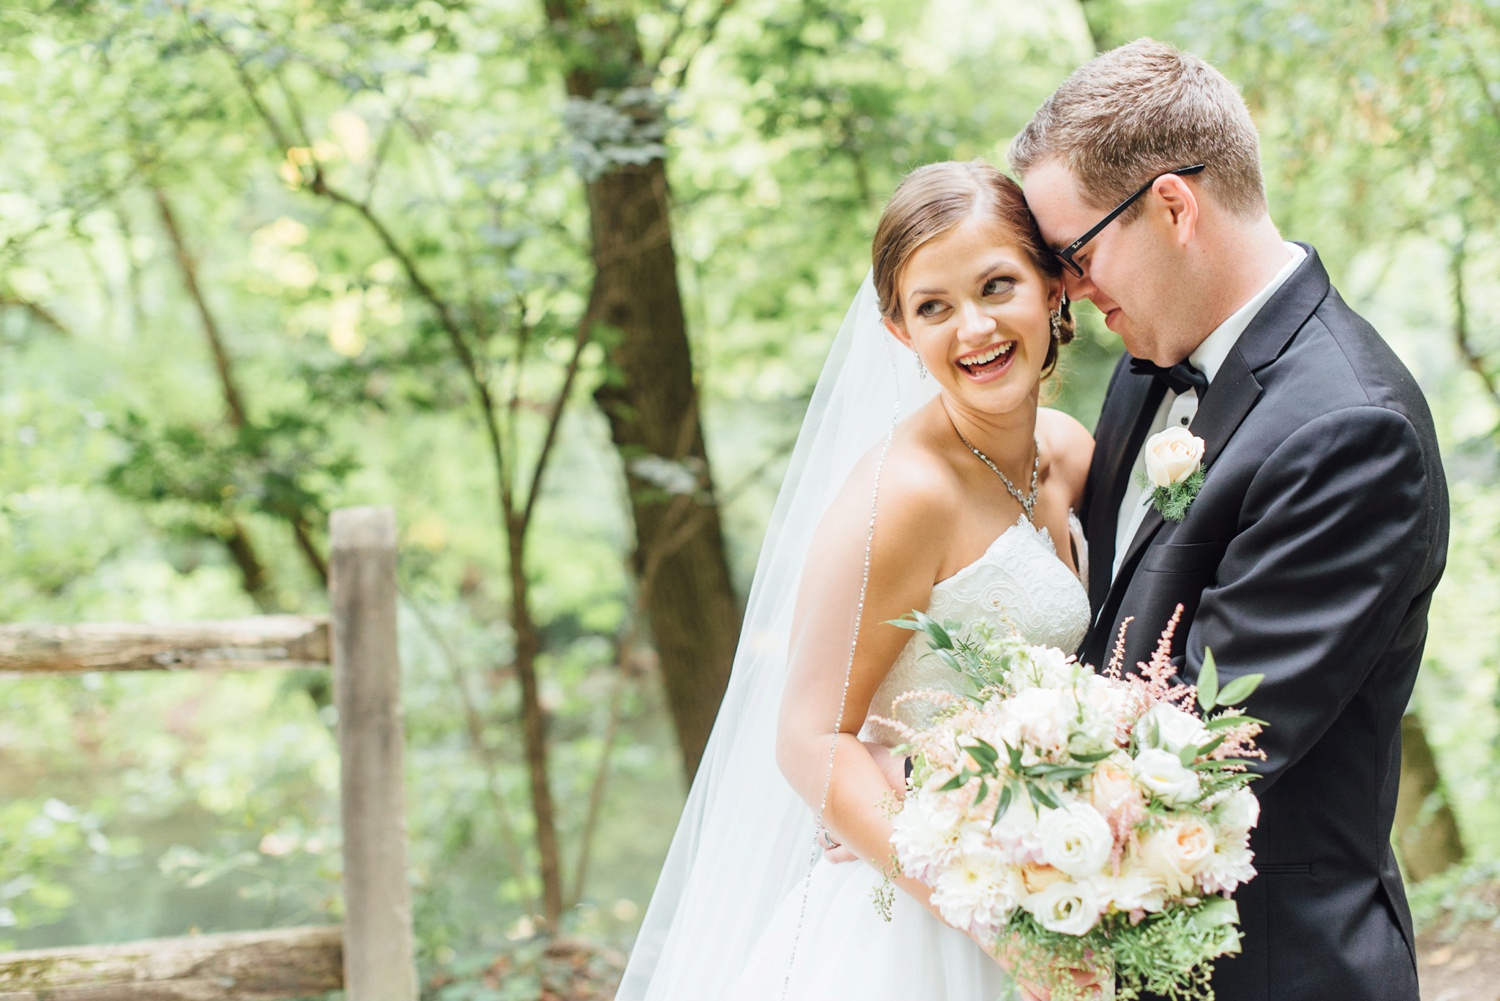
{"x":898,"y":331}
{"x":1180,"y":203}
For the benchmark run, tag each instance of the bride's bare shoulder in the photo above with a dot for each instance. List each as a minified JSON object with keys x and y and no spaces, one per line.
{"x":914,"y":488}
{"x":1069,"y":448}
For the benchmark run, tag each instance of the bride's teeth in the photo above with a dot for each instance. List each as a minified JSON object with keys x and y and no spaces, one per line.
{"x":988,"y":356}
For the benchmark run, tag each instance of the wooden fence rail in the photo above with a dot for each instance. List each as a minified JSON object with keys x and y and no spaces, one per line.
{"x":371,"y":956}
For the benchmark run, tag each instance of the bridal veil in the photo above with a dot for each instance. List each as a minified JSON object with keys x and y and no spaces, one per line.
{"x":745,"y":838}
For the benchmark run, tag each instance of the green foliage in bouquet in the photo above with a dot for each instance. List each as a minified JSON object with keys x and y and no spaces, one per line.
{"x":1162,"y":955}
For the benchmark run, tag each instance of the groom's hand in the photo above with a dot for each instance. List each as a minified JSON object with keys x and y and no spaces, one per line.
{"x":1094,"y":983}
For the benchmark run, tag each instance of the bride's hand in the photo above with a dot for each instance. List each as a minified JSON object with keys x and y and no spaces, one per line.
{"x":893,"y":770}
{"x":892,"y":766}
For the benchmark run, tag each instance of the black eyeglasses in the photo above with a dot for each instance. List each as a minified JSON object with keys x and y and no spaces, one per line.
{"x":1066,"y":254}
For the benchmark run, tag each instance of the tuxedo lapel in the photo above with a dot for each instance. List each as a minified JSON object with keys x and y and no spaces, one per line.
{"x":1137,"y":401}
{"x":1228,"y":399}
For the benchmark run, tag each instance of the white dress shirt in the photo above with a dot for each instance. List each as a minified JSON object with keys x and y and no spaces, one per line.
{"x":1179,"y":409}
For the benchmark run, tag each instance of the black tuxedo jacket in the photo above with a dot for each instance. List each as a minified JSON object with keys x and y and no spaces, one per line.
{"x":1310,"y":554}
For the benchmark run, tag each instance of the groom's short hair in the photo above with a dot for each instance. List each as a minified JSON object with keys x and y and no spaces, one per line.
{"x":1141,"y":110}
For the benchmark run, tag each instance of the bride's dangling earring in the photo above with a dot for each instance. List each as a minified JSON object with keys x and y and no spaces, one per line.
{"x":921,"y":369}
{"x":1056,"y":317}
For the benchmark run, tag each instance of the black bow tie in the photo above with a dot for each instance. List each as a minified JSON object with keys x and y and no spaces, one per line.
{"x":1179,"y":378}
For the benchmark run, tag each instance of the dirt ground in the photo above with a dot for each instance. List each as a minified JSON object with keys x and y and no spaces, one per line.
{"x":1465,"y":967}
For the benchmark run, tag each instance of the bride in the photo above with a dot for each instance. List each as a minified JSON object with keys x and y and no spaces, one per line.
{"x":958,"y":509}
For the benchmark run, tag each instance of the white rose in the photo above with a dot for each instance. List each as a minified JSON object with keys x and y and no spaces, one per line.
{"x":1239,"y":812}
{"x":1172,"y":456}
{"x":1075,"y":839}
{"x":1163,"y":775}
{"x":1171,"y":728}
{"x":1065,"y":907}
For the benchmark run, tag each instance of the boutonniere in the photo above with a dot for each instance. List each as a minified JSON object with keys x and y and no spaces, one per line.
{"x":1174,"y":470}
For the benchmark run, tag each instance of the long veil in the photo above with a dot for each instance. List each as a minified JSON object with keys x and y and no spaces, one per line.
{"x":745,"y":837}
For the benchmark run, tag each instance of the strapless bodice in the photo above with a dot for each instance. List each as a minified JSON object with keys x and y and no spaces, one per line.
{"x":1017,"y":583}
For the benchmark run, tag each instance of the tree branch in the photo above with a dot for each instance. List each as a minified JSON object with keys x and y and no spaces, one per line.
{"x":233,"y":401}
{"x":1472,"y":357}
{"x":488,"y":760}
{"x":581,"y":336}
{"x":627,"y":670}
{"x":706,"y":35}
{"x":38,"y":312}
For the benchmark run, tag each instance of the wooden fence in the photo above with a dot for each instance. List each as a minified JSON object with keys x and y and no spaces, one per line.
{"x":370,"y":956}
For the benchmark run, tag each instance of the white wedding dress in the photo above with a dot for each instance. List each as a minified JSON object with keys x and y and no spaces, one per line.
{"x":845,"y":950}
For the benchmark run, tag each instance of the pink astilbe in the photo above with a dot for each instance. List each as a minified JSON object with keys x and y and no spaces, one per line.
{"x":936,"y":696}
{"x":1158,"y":676}
{"x":1117,"y":659}
{"x":1239,"y":741}
{"x":905,"y":732}
{"x":1122,"y":827}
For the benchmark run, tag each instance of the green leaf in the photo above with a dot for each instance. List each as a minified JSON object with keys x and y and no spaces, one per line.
{"x":1057,"y":773}
{"x":1042,"y":796}
{"x":1208,"y":681}
{"x":953,"y":783}
{"x":983,"y":753}
{"x":1089,"y":759}
{"x":1211,"y":746}
{"x":1240,"y":689}
{"x":984,"y":790}
{"x":937,"y":636}
{"x":1214,"y":912}
{"x":1187,"y":755}
{"x":1015,"y":758}
{"x":1006,"y":795}
{"x":1220,"y":722}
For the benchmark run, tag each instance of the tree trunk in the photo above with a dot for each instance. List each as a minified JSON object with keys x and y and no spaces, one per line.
{"x":1426,"y":830}
{"x":650,"y":398}
{"x":652,"y":408}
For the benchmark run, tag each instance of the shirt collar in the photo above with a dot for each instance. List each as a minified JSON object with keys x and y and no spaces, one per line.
{"x":1209,"y":356}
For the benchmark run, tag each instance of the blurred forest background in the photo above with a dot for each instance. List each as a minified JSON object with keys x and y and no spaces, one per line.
{"x":554,"y":279}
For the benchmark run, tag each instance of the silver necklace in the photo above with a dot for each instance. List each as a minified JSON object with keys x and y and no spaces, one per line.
{"x":1028,"y":500}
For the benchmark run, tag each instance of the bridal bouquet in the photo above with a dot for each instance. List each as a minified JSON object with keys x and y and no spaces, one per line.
{"x":1077,"y":819}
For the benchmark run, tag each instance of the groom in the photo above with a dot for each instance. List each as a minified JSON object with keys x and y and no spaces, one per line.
{"x":1312,"y":548}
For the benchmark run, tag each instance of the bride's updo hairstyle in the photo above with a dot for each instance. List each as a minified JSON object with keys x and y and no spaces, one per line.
{"x":932,"y":200}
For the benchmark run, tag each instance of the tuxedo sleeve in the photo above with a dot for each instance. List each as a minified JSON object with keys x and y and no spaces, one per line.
{"x":1334,"y":532}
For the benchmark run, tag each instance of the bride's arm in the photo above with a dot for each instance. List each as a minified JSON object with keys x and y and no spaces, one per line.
{"x":905,"y":559}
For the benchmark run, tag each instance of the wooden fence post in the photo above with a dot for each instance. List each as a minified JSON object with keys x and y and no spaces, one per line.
{"x":378,"y":953}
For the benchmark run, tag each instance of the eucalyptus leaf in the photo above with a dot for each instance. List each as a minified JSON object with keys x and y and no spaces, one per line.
{"x":1208,"y":681}
{"x":1006,"y":795}
{"x":1240,"y":689}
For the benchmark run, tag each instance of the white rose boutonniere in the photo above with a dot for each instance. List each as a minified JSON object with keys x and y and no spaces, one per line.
{"x":1174,"y":470}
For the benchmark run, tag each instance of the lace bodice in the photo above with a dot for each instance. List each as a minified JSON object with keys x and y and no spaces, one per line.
{"x":1018,"y":582}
